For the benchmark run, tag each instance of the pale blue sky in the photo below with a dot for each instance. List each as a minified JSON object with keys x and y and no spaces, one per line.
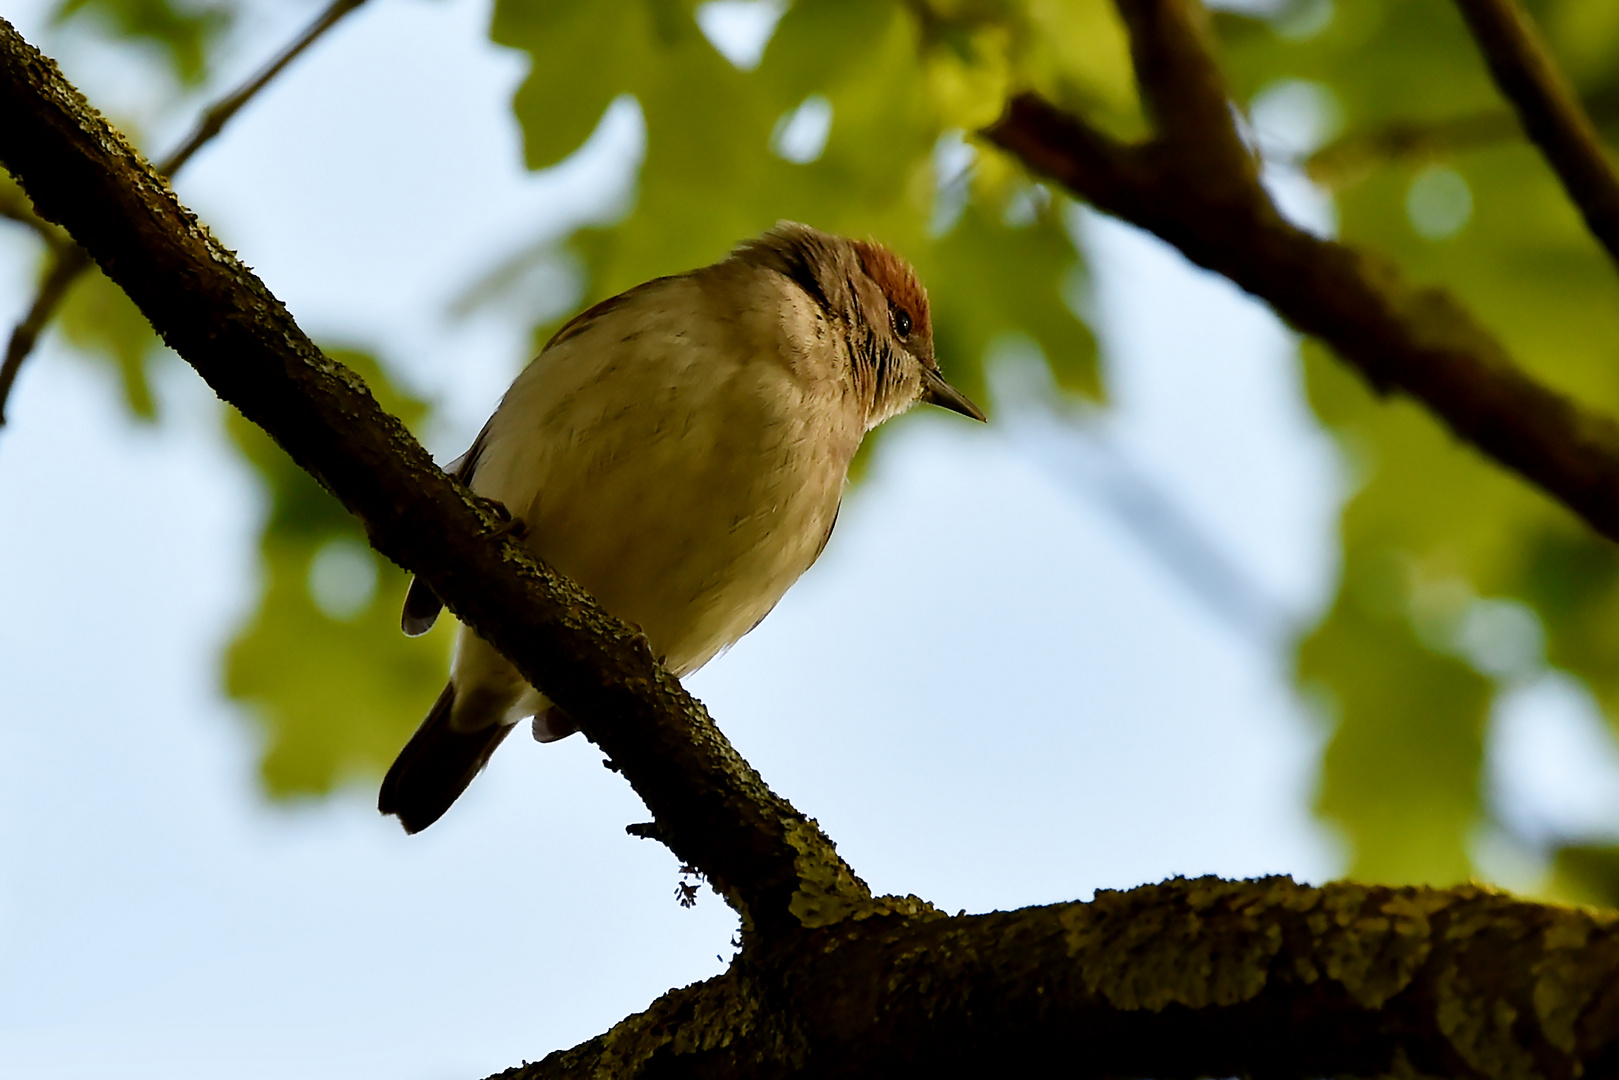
{"x":1034,"y":710}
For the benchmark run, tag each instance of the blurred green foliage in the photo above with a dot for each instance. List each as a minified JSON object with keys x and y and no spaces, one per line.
{"x":102,"y":323}
{"x":1433,"y":523}
{"x":898,"y":80}
{"x":182,"y":32}
{"x":1425,"y":165}
{"x":321,"y":662}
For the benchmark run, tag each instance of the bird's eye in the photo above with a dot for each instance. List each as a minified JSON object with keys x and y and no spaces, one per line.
{"x":902,"y":322}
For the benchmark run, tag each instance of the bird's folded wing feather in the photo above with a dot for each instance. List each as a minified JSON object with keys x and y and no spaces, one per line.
{"x":422,"y":604}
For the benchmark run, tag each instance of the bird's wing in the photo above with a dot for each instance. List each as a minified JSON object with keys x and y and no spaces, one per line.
{"x":422,"y":604}
{"x":828,"y":536}
{"x":595,"y":311}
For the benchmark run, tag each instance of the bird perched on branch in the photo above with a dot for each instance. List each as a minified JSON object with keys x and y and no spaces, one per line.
{"x":680,"y":451}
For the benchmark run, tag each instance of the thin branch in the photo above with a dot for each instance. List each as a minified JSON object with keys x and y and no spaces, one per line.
{"x":1550,"y":111}
{"x":1420,"y":341}
{"x":1347,"y":158}
{"x":770,"y":862}
{"x":1093,"y":464}
{"x":68,"y":262}
{"x":1184,"y":979}
{"x":1342,"y":161}
{"x":219,"y":114}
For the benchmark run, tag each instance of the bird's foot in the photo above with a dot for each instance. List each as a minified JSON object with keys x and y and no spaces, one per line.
{"x":510,"y":524}
{"x":640,"y":642}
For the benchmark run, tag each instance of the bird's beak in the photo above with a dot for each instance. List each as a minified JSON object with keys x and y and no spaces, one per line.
{"x":935,"y":391}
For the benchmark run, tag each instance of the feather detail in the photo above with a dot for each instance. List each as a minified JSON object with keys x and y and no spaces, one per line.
{"x":898,"y":282}
{"x":436,"y":766}
{"x":422,"y":604}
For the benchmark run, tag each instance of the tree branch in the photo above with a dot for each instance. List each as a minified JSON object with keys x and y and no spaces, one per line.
{"x":1550,"y":111}
{"x":1418,"y":340}
{"x":14,"y":206}
{"x":1349,"y":157}
{"x":1343,"y":160}
{"x":1186,"y":99}
{"x":773,"y":864}
{"x":69,"y":261}
{"x":216,"y":116}
{"x":1183,"y":979}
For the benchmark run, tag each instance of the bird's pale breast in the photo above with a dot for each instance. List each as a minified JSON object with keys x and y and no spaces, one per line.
{"x":684,"y":488}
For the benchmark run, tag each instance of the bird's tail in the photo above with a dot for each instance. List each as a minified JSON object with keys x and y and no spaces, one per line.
{"x":436,"y":766}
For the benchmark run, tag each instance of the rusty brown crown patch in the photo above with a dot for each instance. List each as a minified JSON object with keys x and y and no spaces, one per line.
{"x":898,"y":282}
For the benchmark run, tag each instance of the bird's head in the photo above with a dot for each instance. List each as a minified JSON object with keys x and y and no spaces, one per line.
{"x":873,"y":298}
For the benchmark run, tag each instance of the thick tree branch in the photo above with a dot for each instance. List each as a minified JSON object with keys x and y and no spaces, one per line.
{"x":69,"y":261}
{"x":1528,"y":76}
{"x":1420,"y":341}
{"x":1186,"y":97}
{"x":1184,"y":979}
{"x":713,"y":810}
{"x":14,"y":206}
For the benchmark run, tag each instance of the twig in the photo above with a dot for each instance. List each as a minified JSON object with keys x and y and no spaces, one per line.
{"x":219,"y":114}
{"x":1551,"y":113}
{"x":1349,"y":157}
{"x":1166,"y":530}
{"x":69,"y":262}
{"x":1342,"y":161}
{"x":1070,"y":441}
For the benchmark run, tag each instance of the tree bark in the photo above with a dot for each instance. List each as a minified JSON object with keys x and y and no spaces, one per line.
{"x":1183,"y":979}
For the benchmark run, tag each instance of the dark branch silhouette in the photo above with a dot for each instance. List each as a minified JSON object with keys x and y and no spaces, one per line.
{"x":68,"y":261}
{"x":1197,"y":189}
{"x":14,"y":206}
{"x":1549,"y":110}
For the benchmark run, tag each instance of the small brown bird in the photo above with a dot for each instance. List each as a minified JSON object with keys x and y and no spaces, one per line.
{"x":680,"y":450}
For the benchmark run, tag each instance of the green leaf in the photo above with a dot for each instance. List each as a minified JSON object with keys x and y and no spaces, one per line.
{"x":581,"y":57}
{"x":1401,"y":773}
{"x":987,"y":280}
{"x":1485,"y":218}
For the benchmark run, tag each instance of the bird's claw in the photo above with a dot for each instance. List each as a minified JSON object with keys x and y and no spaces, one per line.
{"x":510,"y":524}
